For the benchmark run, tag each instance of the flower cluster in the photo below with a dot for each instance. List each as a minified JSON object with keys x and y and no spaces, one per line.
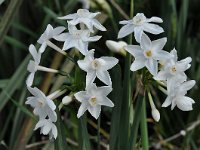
{"x":150,"y":54}
{"x":80,"y":27}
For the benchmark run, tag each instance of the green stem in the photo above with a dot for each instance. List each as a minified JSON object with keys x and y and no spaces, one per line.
{"x":135,"y":126}
{"x":143,"y":124}
{"x":99,"y":127}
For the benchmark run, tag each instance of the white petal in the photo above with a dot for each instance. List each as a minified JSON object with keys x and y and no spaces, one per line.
{"x":138,"y":64}
{"x":31,"y":101}
{"x":108,"y":62}
{"x":29,"y":80}
{"x":125,"y":30}
{"x":62,"y":37}
{"x":145,"y":42}
{"x":82,"y":109}
{"x":54,"y":131}
{"x":174,"y":53}
{"x":80,"y":96}
{"x":159,"y":44}
{"x":40,"y":124}
{"x":185,"y":103}
{"x":84,"y":65}
{"x":161,"y":55}
{"x":95,"y":111}
{"x":92,"y":15}
{"x":187,"y":86}
{"x":152,"y":66}
{"x":104,"y":90}
{"x":162,"y":75}
{"x":69,"y":43}
{"x":50,"y":103}
{"x":103,"y":100}
{"x":46,"y":129}
{"x":33,"y":51}
{"x":152,"y":28}
{"x":42,"y":47}
{"x":98,"y":25}
{"x":134,"y":50}
{"x":58,"y":30}
{"x":104,"y":77}
{"x":125,"y":21}
{"x":167,"y":102}
{"x":138,"y":34}
{"x":70,"y":16}
{"x":82,"y":47}
{"x":154,"y":19}
{"x":92,"y":39}
{"x":90,"y":77}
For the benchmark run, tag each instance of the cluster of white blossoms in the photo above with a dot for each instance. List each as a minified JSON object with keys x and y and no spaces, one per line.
{"x":80,"y":27}
{"x":164,"y":66}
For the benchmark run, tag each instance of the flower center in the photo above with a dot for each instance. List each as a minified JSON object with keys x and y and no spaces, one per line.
{"x":93,"y":101}
{"x":173,"y":70}
{"x":148,"y":53}
{"x":138,"y":19}
{"x":41,"y":103}
{"x":95,"y":64}
{"x":76,"y":35}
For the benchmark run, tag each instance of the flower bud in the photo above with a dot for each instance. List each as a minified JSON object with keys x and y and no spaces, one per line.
{"x":116,"y":47}
{"x":66,"y":100}
{"x":155,"y":114}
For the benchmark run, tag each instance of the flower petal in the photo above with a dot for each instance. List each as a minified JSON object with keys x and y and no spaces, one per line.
{"x":138,"y":34}
{"x":138,"y":64}
{"x":152,"y":28}
{"x":108,"y":62}
{"x":81,"y":96}
{"x":185,"y":103}
{"x":103,"y":100}
{"x":154,"y":19}
{"x":29,"y":80}
{"x":159,"y":44}
{"x":145,"y":42}
{"x":134,"y":50}
{"x":95,"y":111}
{"x":152,"y":66}
{"x":98,"y":25}
{"x":125,"y":30}
{"x":104,"y":77}
{"x":70,"y":16}
{"x":161,"y":55}
{"x":58,"y":30}
{"x":167,"y":101}
{"x":90,"y":77}
{"x":82,"y":109}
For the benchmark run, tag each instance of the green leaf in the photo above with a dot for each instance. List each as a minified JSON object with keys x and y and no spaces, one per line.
{"x":14,"y":83}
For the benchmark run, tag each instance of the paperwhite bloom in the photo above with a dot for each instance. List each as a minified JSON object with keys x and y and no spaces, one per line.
{"x":92,"y":99}
{"x":148,"y":53}
{"x":43,"y":106}
{"x":138,"y":25}
{"x":47,"y":127}
{"x":49,"y":33}
{"x":177,"y":97}
{"x":78,"y":39}
{"x":85,"y":17}
{"x":116,"y":47}
{"x":97,"y":67}
{"x":32,"y":66}
{"x":172,"y":67}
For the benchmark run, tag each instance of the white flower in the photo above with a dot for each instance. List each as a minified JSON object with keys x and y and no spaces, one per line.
{"x":116,"y":47}
{"x":173,"y":67}
{"x":49,"y":33}
{"x":85,"y":17}
{"x":97,"y":67}
{"x":47,"y":127}
{"x":43,"y":106}
{"x":138,"y":25}
{"x":92,"y":99}
{"x":177,"y":96}
{"x":78,"y":39}
{"x":32,"y":66}
{"x":155,"y":114}
{"x":148,"y":53}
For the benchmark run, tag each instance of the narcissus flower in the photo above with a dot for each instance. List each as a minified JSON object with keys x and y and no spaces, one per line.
{"x":148,"y":53}
{"x":49,"y":33}
{"x":85,"y":17}
{"x":97,"y":67}
{"x":43,"y":106}
{"x":47,"y":127}
{"x":138,"y":25}
{"x":32,"y":66}
{"x":78,"y":39}
{"x":176,"y":96}
{"x":92,"y":99}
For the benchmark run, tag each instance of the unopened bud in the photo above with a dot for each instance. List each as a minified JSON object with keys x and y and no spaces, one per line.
{"x":182,"y":132}
{"x":116,"y":47}
{"x":155,"y":114}
{"x":66,"y":100}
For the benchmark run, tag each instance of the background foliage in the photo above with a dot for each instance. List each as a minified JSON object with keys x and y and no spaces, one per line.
{"x":23,"y":21}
